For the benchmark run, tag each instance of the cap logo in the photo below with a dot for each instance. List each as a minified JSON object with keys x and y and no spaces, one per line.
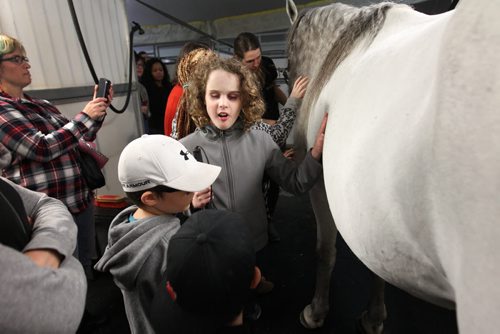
{"x":184,"y":154}
{"x":138,"y":184}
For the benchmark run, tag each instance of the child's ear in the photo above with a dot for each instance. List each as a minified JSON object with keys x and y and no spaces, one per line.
{"x":149,"y":198}
{"x":257,"y":276}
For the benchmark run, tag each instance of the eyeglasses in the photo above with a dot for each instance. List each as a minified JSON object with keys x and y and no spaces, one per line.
{"x":17,"y":59}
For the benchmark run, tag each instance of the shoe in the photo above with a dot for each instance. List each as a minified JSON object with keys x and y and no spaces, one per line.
{"x":272,"y":233}
{"x":264,"y":286}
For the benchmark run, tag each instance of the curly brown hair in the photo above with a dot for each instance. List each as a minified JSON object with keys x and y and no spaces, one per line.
{"x":187,"y":65}
{"x":252,"y":106}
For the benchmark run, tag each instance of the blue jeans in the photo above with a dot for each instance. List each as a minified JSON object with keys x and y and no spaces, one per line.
{"x":85,"y":248}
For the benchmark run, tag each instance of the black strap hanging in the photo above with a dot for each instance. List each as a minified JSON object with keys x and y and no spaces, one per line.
{"x":15,"y":229}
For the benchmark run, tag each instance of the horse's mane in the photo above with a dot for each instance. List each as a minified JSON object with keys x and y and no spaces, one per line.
{"x":352,"y":25}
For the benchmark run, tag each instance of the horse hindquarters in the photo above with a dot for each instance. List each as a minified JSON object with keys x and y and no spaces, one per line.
{"x":469,"y":165}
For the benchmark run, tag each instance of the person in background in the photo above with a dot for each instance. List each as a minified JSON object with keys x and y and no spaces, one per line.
{"x":176,"y":93}
{"x":279,"y":131}
{"x":44,"y":143}
{"x":143,"y":93}
{"x":224,"y":101}
{"x":157,"y":83}
{"x":210,"y":275}
{"x":182,"y":124}
{"x":144,"y":55}
{"x":159,"y":176}
{"x":43,"y":287}
{"x":247,"y":49}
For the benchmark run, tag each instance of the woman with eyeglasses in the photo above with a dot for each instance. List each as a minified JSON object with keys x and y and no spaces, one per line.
{"x":43,"y":143}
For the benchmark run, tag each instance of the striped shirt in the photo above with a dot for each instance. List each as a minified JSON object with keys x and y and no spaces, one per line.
{"x":43,"y":145}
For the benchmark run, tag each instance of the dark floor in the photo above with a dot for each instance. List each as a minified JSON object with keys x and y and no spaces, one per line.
{"x":291,"y":267}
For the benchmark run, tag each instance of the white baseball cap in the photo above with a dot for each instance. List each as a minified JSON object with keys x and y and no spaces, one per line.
{"x":154,"y":160}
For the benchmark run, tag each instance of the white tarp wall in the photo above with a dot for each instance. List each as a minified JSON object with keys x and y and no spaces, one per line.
{"x":59,"y":69}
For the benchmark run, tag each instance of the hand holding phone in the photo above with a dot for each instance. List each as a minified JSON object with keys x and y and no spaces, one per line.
{"x":103,"y":88}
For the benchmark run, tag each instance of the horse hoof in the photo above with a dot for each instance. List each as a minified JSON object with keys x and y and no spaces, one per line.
{"x":364,"y":327}
{"x":306,"y":319}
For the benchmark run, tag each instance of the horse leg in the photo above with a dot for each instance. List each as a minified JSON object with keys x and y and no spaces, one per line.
{"x":372,"y":320}
{"x":314,"y":314}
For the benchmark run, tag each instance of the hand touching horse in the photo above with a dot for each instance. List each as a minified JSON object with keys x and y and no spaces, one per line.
{"x":412,"y":148}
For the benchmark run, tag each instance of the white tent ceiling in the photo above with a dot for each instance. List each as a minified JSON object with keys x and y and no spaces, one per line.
{"x":224,"y":19}
{"x":199,"y":10}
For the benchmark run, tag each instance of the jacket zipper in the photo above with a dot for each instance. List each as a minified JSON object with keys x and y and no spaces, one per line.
{"x":227,"y":164}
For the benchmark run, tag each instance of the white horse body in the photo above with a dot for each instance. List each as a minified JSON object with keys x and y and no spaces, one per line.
{"x":379,"y":148}
{"x":412,"y":156}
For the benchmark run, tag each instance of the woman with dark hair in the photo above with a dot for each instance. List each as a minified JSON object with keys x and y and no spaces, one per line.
{"x":158,"y":86}
{"x":247,"y":49}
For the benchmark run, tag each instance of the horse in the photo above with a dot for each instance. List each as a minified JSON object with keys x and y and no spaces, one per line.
{"x":412,"y":146}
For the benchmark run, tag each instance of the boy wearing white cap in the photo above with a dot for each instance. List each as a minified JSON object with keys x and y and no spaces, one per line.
{"x":159,"y":176}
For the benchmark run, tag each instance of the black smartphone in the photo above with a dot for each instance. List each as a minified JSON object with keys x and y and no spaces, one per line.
{"x":197,"y":154}
{"x":103,"y":88}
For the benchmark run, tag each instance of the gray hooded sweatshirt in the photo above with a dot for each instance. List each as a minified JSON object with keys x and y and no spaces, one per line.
{"x":136,"y":256}
{"x":37,"y":299}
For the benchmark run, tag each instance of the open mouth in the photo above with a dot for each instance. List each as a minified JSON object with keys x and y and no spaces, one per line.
{"x":223,"y":116}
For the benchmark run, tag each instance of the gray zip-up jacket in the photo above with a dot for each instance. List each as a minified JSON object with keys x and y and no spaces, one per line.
{"x":244,"y":157}
{"x":136,"y":256}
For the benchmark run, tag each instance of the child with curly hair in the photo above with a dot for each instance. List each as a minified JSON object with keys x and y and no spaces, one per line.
{"x":224,"y":102}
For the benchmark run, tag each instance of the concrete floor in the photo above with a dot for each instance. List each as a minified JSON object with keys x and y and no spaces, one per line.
{"x":291,"y":266}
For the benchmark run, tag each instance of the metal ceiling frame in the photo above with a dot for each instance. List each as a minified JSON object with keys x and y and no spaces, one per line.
{"x":183,"y":23}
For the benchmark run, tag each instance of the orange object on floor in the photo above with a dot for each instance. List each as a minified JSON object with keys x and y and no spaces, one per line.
{"x":111,"y":201}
